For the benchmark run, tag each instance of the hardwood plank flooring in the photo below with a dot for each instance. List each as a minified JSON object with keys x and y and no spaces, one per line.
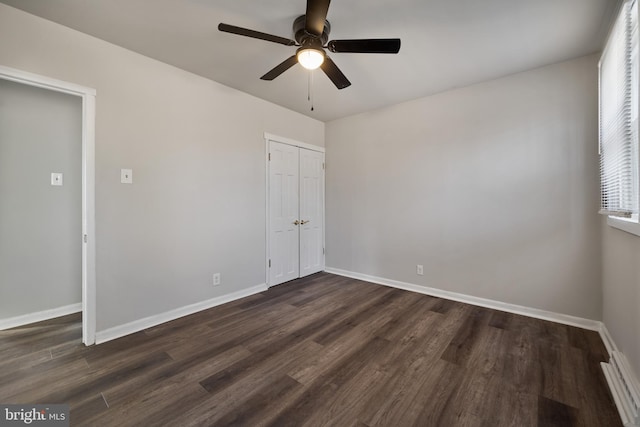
{"x":323,"y":350}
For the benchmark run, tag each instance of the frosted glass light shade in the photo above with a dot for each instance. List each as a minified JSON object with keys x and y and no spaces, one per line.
{"x":310,"y":58}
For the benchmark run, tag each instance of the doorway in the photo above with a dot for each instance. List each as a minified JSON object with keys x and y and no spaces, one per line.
{"x":85,"y":180}
{"x":295,"y":210}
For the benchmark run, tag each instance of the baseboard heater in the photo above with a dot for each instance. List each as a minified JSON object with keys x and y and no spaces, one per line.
{"x":624,"y":388}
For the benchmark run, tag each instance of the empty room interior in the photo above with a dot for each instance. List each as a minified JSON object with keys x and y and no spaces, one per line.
{"x":433,"y":224}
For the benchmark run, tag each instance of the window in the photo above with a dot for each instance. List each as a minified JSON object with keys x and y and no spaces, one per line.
{"x":618,"y":124}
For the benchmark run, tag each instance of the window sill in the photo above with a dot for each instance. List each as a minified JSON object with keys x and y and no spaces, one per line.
{"x":630,"y":226}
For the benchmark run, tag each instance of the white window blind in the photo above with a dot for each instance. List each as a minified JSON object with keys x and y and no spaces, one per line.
{"x":619,"y":117}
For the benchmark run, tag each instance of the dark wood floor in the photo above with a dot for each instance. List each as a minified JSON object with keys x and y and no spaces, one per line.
{"x":324,"y":350}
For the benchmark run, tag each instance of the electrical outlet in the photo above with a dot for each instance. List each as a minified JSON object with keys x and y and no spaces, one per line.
{"x":419,"y":270}
{"x":56,"y":178}
{"x":126,"y":176}
{"x":216,"y":279}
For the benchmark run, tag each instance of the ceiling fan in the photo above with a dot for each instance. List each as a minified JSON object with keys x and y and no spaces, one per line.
{"x":311,"y":32}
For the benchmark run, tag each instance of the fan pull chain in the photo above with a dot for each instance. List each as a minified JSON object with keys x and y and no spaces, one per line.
{"x":310,"y":89}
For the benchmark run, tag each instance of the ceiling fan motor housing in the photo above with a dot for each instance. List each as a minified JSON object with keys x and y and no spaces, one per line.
{"x":303,"y":38}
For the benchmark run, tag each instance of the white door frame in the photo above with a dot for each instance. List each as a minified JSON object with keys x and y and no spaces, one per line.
{"x":88,"y":96}
{"x":270,"y":137}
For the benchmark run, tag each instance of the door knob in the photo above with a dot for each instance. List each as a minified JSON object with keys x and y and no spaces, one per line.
{"x":296,"y":222}
{"x":303,"y":222}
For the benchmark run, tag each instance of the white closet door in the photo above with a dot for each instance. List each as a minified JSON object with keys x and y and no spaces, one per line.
{"x":311,"y":212}
{"x":283,"y":213}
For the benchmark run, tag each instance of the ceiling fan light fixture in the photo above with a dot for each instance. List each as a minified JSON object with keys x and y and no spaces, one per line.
{"x":311,"y":33}
{"x":310,"y":58}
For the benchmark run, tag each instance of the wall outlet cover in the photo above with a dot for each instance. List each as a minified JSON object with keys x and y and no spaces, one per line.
{"x":56,"y":178}
{"x":126,"y":176}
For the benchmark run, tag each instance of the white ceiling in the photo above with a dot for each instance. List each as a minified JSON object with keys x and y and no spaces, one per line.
{"x":445,"y":43}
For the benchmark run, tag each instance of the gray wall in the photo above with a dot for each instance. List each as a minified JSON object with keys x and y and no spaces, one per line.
{"x":197,"y":202}
{"x":621,"y":291}
{"x":40,"y":225}
{"x":492,"y":187}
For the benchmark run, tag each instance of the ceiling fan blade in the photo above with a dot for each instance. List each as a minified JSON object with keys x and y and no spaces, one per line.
{"x":316,"y":16}
{"x":280,"y":68}
{"x":333,"y":72}
{"x":254,"y":34}
{"x":365,"y":46}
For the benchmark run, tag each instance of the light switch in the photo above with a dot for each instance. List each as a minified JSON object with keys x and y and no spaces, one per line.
{"x":126,"y":176}
{"x":56,"y":178}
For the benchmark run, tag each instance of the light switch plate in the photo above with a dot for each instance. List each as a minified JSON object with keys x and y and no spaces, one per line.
{"x":126,"y":176}
{"x":56,"y":178}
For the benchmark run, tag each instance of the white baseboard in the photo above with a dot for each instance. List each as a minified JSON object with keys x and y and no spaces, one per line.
{"x":566,"y":319}
{"x":148,"y":322}
{"x":607,"y":339}
{"x":25,"y":319}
